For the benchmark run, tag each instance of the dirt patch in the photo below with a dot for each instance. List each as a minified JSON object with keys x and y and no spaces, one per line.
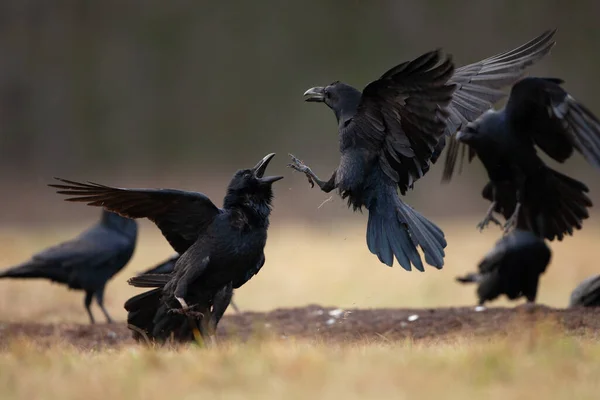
{"x":330,"y":324}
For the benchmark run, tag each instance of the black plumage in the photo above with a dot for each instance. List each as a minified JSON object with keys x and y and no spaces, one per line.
{"x":393,"y":130}
{"x":221,"y":248}
{"x":167,"y":267}
{"x":587,"y":293}
{"x":512,"y":268}
{"x":529,"y":194}
{"x":87,"y":262}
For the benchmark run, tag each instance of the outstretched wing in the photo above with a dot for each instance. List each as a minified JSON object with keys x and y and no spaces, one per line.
{"x":556,"y":122}
{"x":181,"y":216}
{"x":479,"y":86}
{"x":401,"y":116}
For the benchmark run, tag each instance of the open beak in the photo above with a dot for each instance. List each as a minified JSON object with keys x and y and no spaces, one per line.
{"x":315,"y":94}
{"x":259,"y":170}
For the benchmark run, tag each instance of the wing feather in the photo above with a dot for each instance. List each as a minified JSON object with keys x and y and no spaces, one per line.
{"x":181,"y":216}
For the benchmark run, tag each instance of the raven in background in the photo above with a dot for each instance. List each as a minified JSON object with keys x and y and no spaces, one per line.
{"x":513,"y":268}
{"x":391,"y":132}
{"x":221,"y":249}
{"x":86,"y":262}
{"x":522,"y":188}
{"x":167,"y":267}
{"x":587,"y":293}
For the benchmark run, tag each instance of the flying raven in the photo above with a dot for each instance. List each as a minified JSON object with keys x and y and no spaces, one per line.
{"x":587,"y":293}
{"x":167,"y":267}
{"x":86,"y":262}
{"x":522,"y":188}
{"x":513,"y":268}
{"x":393,"y":130}
{"x":221,"y":248}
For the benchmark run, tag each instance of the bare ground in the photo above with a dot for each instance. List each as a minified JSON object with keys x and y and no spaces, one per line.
{"x":332,"y":325}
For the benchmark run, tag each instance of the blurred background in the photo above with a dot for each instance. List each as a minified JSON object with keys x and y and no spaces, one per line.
{"x":180,"y":94}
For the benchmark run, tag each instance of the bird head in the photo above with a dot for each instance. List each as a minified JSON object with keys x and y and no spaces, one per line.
{"x":475,"y":131}
{"x":250,"y":185}
{"x":341,"y":98}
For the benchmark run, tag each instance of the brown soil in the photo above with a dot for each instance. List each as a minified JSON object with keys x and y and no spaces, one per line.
{"x":328,"y":324}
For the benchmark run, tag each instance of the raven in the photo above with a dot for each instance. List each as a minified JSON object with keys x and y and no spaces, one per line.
{"x":513,"y":268}
{"x":167,"y":267}
{"x":522,"y":188}
{"x":221,"y":249}
{"x":86,"y":262}
{"x":587,"y":293}
{"x":391,"y":132}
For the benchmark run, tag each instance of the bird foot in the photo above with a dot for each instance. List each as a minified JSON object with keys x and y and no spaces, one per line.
{"x":299,"y":166}
{"x":510,"y":224}
{"x":188,"y":312}
{"x":486,"y":220}
{"x":186,"y":309}
{"x":512,"y":221}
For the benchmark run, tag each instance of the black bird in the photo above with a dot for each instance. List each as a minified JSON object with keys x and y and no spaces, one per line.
{"x":522,"y":188}
{"x":167,"y":267}
{"x":221,"y":249}
{"x":513,"y":268}
{"x":86,"y":262}
{"x":391,"y":132}
{"x":587,"y":293}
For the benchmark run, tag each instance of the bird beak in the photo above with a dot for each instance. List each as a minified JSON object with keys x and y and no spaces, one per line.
{"x":460,"y":136}
{"x":259,"y":170}
{"x":315,"y":94}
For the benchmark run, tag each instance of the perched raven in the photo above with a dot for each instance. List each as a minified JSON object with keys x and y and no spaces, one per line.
{"x":513,"y":268}
{"x":86,"y":262}
{"x":587,"y":293}
{"x":391,"y":132}
{"x":529,"y":194}
{"x":167,"y":267}
{"x":221,"y":249}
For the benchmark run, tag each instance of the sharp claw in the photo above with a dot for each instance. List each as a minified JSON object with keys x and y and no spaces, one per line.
{"x":181,"y":301}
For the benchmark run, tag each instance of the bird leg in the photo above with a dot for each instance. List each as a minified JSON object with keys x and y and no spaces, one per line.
{"x":88,"y":303}
{"x":208,"y":329}
{"x":325,"y":186}
{"x":100,"y":301}
{"x":489,"y":217}
{"x":235,"y":307}
{"x":512,"y":221}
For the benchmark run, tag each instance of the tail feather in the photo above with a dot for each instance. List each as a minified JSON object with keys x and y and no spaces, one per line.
{"x":473,"y":277}
{"x":32,"y":269}
{"x":425,"y":234}
{"x":150,"y":280}
{"x":398,"y":230}
{"x":141,"y":310}
{"x":556,"y":204}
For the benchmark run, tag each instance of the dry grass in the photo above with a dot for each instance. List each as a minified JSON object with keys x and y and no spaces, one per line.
{"x":550,"y":367}
{"x":328,"y":266}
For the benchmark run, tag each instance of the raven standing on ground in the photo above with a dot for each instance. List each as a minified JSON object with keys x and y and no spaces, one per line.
{"x":221,"y":249}
{"x":513,"y":268}
{"x":86,"y":262}
{"x":529,"y":194}
{"x":167,"y":267}
{"x":587,"y":293}
{"x":391,"y":132}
